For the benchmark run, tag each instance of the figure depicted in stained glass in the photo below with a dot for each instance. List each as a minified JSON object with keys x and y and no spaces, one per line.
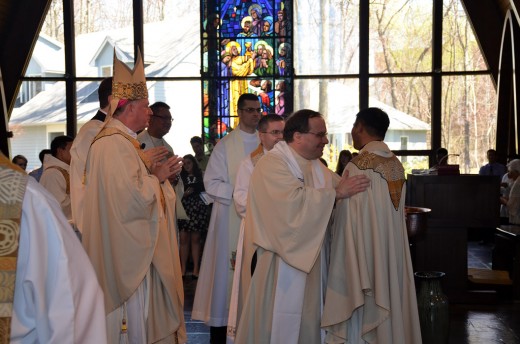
{"x":279,"y":102}
{"x":282,"y":62}
{"x":224,"y":90}
{"x":255,"y":11}
{"x":280,"y":27}
{"x":259,"y":48}
{"x":266,"y":96}
{"x":266,"y":63}
{"x":246,"y":35}
{"x":267,"y":27}
{"x":240,"y":66}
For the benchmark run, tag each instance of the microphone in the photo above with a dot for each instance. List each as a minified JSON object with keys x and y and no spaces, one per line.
{"x":143,"y":145}
{"x":446,"y":158}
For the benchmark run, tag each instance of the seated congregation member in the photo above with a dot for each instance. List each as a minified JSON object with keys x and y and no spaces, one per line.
{"x":57,"y":298}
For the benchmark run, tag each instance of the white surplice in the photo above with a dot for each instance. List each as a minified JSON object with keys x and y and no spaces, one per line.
{"x":211,"y":303}
{"x":57,"y":297}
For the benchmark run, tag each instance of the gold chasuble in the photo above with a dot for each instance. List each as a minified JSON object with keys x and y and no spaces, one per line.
{"x":12,"y":189}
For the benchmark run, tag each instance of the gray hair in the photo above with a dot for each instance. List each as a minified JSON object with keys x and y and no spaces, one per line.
{"x":514,"y":165}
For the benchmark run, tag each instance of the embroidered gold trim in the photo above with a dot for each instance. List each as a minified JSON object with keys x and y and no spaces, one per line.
{"x":390,"y":170}
{"x":130,"y":91}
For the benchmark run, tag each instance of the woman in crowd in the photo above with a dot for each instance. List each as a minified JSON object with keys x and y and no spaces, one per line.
{"x":190,"y":231}
{"x":344,"y":157}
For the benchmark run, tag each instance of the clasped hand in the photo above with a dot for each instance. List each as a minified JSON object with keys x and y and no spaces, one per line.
{"x":168,"y":168}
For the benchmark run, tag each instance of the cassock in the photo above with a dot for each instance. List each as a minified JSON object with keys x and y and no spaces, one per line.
{"x":57,"y":297}
{"x":370,"y":291}
{"x":129,"y":234}
{"x":56,"y":179}
{"x":289,"y":206}
{"x":211,"y":303}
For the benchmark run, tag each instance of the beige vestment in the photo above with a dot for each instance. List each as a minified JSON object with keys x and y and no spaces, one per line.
{"x":370,"y":290}
{"x":129,"y":229}
{"x":288,"y":219}
{"x":56,"y":179}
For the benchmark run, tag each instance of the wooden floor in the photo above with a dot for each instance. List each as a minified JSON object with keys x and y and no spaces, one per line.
{"x":469,"y":323}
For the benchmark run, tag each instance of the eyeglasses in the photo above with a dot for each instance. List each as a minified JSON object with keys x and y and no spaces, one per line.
{"x":319,"y":135}
{"x":252,"y":110}
{"x":273,"y":132}
{"x":164,"y":118}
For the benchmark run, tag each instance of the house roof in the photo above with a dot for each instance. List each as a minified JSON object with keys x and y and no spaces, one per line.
{"x":344,"y":120}
{"x":171,"y":59}
{"x":340,"y":119}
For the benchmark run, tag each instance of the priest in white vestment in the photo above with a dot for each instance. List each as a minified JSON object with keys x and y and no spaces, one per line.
{"x":57,"y":298}
{"x":370,"y":291}
{"x":80,"y":148}
{"x":291,"y":197}
{"x":55,"y":177}
{"x":270,"y":132}
{"x":129,"y":227}
{"x":212,"y":296}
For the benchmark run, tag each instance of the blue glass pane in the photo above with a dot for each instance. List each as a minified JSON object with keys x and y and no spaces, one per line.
{"x":247,"y":48}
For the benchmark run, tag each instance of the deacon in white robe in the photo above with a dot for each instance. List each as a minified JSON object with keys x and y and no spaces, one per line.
{"x":370,"y":291}
{"x":291,"y":198}
{"x":57,"y":297}
{"x":212,"y":296}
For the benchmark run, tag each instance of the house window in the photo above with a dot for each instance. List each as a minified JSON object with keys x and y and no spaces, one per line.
{"x":404,"y":146}
{"x":53,"y":135}
{"x":106,"y":71}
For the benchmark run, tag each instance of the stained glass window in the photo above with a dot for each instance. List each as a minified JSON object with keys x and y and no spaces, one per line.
{"x":247,"y":48}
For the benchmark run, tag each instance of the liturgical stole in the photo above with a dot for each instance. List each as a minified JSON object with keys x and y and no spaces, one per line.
{"x":13,"y":182}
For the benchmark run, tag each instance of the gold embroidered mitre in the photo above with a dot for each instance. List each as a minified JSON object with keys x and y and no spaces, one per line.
{"x":127,"y":84}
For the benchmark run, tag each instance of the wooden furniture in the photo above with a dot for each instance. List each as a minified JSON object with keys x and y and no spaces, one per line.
{"x":506,"y":254}
{"x":458,"y":204}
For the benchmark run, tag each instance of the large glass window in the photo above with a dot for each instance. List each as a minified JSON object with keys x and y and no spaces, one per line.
{"x":171,"y":49}
{"x":328,"y":55}
{"x":400,"y":36}
{"x":247,"y":48}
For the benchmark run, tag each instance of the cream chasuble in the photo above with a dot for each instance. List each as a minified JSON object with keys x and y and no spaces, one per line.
{"x":370,"y":291}
{"x":129,"y":230}
{"x":288,"y":218}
